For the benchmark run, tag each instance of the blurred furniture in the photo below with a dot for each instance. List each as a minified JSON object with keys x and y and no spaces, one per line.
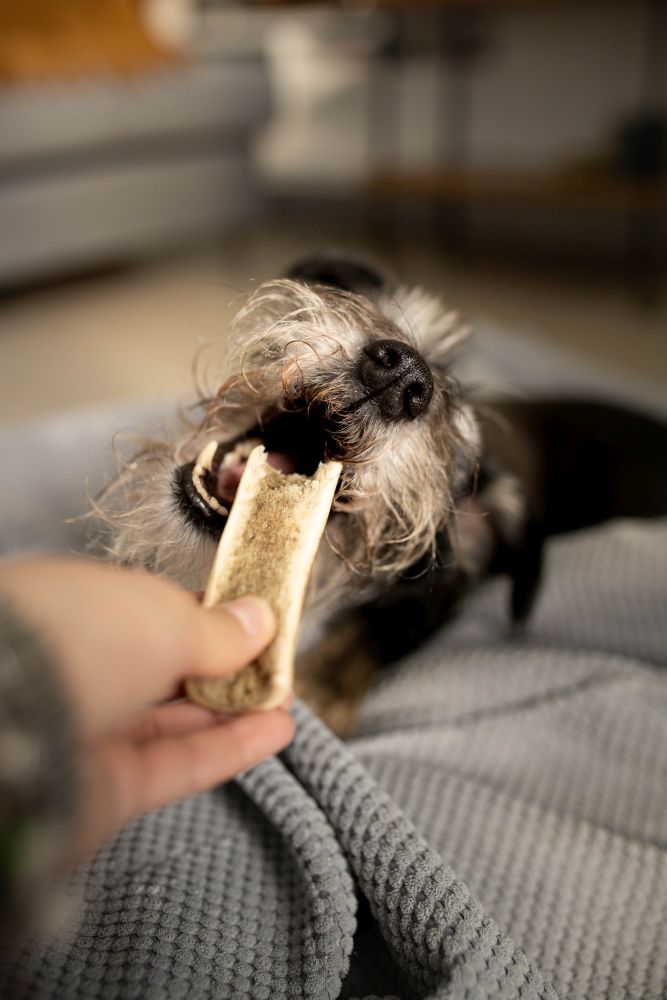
{"x":40,"y":39}
{"x":581,"y":191}
{"x":100,"y":169}
{"x":498,"y":121}
{"x":627,"y":177}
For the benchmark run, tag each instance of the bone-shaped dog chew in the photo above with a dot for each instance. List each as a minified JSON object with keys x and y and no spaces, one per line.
{"x":267,"y":549}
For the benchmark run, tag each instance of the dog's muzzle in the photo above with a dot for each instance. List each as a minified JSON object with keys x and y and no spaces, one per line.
{"x":296,"y":437}
{"x":299,"y":434}
{"x":397,"y":378}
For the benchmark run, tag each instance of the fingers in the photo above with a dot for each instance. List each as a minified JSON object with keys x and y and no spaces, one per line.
{"x":123,"y":639}
{"x":127,"y":778}
{"x":224,"y":639}
{"x":174,"y":768}
{"x":176,"y":719}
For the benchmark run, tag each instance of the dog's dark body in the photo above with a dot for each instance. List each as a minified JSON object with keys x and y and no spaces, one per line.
{"x":579,"y":463}
{"x":338,"y":361}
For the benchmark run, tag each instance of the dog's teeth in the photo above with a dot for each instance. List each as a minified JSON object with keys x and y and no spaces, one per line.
{"x":240,"y":452}
{"x":205,"y":456}
{"x":204,"y":463}
{"x":202,"y":466}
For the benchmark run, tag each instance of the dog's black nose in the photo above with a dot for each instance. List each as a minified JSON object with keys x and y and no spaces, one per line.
{"x":398,"y":379}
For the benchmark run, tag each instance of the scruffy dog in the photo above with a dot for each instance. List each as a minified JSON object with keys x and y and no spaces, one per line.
{"x":337,"y":361}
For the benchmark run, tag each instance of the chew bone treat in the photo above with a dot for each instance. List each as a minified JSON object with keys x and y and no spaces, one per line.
{"x":267,"y":549}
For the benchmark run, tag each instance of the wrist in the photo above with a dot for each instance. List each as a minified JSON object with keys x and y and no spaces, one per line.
{"x":38,"y":770}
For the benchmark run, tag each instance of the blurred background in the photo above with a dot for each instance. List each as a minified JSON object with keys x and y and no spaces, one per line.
{"x":158,"y":158}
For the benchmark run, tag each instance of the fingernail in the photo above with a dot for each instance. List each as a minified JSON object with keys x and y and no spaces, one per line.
{"x":253,"y":614}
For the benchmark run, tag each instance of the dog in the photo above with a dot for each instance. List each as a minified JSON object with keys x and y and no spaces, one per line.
{"x":338,"y":361}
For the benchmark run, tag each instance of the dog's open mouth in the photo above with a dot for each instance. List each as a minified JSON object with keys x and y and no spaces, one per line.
{"x":296,"y":439}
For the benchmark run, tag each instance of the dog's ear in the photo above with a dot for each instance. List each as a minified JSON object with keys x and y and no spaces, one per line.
{"x":350,"y":273}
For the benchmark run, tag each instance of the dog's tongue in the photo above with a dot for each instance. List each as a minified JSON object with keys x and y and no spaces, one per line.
{"x":229,"y":476}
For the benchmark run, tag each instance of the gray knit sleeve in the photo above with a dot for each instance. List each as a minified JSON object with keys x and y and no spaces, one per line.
{"x":38,"y":775}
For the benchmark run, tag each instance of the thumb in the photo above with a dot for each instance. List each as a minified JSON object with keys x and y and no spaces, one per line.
{"x":232,"y":635}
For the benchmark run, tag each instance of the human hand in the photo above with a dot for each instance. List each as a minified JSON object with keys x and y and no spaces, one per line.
{"x":124,"y":642}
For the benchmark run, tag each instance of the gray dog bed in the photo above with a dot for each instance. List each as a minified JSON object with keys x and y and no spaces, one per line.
{"x":497,"y":825}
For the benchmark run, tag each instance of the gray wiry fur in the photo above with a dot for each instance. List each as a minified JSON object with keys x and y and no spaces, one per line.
{"x":294,"y":342}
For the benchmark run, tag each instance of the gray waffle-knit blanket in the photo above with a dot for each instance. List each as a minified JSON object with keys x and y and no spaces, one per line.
{"x":497,"y":825}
